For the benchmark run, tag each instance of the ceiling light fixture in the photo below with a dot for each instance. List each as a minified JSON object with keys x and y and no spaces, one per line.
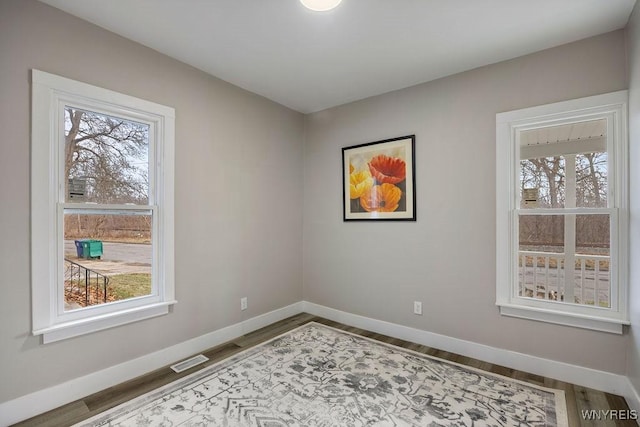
{"x":320,"y":5}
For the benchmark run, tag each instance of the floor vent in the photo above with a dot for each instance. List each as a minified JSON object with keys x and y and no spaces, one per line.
{"x":189,"y":363}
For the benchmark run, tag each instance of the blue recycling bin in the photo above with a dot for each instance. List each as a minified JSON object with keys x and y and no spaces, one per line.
{"x":79,"y":247}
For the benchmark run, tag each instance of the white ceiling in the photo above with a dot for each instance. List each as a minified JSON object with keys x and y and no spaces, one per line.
{"x":310,"y":61}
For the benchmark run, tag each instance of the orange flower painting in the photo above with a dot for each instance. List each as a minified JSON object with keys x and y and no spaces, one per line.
{"x":381,"y":198}
{"x":379,"y":180}
{"x":388,"y":169}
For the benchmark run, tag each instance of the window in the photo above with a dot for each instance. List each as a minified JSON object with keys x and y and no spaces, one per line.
{"x":562,"y":212}
{"x":101,"y":208}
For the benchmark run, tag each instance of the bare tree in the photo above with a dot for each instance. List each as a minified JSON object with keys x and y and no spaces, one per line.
{"x":591,"y":177}
{"x":548,"y":175}
{"x":111,"y":153}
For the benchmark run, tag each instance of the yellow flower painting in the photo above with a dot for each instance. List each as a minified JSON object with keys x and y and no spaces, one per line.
{"x":359,"y":183}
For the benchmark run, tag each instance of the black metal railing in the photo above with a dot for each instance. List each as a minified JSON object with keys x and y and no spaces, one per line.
{"x":84,"y":286}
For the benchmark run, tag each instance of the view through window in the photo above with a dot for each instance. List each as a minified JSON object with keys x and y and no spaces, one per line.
{"x":562,"y":212}
{"x":108,"y":248}
{"x":102,"y":208}
{"x":564,"y":236}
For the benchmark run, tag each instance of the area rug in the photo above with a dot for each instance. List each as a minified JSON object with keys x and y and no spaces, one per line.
{"x":316,"y":375}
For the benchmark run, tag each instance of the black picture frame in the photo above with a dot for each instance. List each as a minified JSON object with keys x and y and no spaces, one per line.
{"x":379,"y":180}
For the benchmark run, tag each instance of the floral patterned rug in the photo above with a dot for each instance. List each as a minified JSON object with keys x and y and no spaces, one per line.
{"x":320,"y":376}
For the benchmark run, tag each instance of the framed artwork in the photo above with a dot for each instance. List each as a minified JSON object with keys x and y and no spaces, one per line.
{"x":379,"y":180}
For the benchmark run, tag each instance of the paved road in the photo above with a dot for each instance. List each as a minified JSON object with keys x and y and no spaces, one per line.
{"x":117,"y":258}
{"x":124,"y":252}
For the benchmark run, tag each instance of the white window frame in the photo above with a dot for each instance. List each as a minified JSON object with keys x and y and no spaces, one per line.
{"x":613,"y":108}
{"x":50,"y":94}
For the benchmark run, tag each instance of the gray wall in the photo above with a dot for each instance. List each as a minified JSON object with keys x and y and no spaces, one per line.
{"x":447,"y":258}
{"x":238,"y":154}
{"x":238,"y":195}
{"x":633,"y":49}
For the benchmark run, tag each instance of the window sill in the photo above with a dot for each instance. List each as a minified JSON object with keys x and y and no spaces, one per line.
{"x":613,"y":326}
{"x":76,"y":328}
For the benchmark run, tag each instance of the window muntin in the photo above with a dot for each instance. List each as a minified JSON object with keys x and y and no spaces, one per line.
{"x":142,"y":188}
{"x":564,"y":166}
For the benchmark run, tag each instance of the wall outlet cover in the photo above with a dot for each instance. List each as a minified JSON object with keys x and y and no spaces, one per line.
{"x":417,"y":307}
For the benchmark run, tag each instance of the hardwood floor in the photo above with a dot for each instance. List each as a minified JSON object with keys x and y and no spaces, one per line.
{"x":578,"y":398}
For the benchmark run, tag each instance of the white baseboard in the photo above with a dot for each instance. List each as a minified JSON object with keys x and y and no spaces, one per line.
{"x":586,"y":377}
{"x":632,"y":397}
{"x":44,"y":400}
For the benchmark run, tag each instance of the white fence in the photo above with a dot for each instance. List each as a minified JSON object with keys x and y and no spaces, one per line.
{"x":543,"y":275}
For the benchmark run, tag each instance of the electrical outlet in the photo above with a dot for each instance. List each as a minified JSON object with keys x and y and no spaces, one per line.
{"x":243,"y":303}
{"x":417,"y":307}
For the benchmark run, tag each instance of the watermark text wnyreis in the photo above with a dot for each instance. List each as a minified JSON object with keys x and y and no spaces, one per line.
{"x":609,"y":414}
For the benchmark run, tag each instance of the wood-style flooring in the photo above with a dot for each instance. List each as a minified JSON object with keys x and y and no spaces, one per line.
{"x":578,"y":398}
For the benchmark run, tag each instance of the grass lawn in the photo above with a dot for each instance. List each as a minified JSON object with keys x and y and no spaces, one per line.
{"x":123,"y":286}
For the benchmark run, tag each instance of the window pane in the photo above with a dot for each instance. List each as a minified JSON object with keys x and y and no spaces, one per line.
{"x":107,"y":257}
{"x":592,"y":276}
{"x":544,"y":258}
{"x":541,"y":256}
{"x":564,"y":161}
{"x":106,"y":158}
{"x":591,"y":180}
{"x":542,"y":182}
